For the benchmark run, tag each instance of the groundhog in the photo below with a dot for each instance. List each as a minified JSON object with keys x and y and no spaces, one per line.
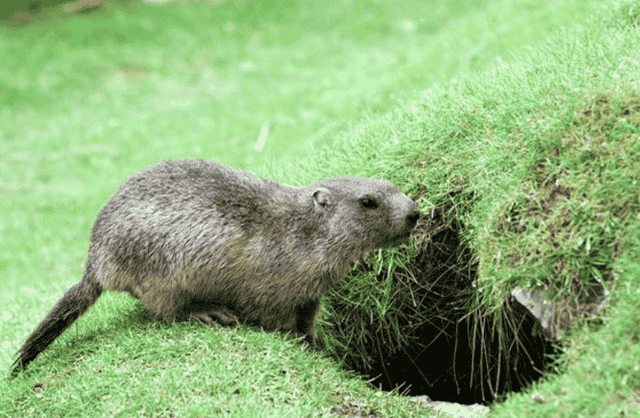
{"x":196,"y":239}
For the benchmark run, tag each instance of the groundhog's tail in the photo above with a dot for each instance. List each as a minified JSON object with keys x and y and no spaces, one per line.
{"x":74,"y":303}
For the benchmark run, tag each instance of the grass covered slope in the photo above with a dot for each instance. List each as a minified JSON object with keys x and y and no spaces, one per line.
{"x":536,"y":163}
{"x":469,"y":146}
{"x":239,"y":81}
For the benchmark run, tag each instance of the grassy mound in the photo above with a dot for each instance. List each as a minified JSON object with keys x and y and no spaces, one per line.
{"x":528,"y":175}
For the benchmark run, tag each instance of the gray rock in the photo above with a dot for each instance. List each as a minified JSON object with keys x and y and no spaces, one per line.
{"x":453,"y":409}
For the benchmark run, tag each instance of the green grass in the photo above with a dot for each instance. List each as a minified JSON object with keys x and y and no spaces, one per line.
{"x":187,"y":370}
{"x":209,"y":78}
{"x":601,"y":373}
{"x":502,"y":150}
{"x":87,"y":100}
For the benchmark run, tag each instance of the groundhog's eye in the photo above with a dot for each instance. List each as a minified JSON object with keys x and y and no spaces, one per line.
{"x":368,"y":203}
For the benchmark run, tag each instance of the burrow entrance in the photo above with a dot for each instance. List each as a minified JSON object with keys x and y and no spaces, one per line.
{"x":451,"y":348}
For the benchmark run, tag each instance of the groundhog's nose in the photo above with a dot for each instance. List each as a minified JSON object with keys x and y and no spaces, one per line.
{"x":412,"y":218}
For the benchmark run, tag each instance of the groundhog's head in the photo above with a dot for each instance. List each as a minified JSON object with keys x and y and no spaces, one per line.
{"x":363,"y":214}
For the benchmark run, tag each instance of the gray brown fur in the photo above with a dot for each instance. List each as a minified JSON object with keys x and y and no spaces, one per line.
{"x":196,"y":239}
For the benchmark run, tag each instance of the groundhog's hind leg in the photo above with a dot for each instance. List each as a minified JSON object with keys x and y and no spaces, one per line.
{"x":212,"y":315}
{"x":166,"y":304}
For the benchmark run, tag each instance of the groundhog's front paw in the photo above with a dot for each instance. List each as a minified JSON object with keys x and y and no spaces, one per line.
{"x":312,"y":341}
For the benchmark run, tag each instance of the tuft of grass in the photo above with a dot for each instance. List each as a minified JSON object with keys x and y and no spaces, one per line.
{"x":564,"y":225}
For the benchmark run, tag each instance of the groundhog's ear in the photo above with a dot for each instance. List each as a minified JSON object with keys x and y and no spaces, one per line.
{"x":322,"y":197}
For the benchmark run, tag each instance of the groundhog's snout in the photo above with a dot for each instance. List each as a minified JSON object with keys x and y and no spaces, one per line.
{"x":412,"y":217}
{"x":409,"y":211}
{"x":406,"y":219}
